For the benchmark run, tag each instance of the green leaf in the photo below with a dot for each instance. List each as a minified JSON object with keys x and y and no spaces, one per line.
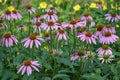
{"x":60,"y":76}
{"x":6,"y":74}
{"x":116,"y":78}
{"x":47,"y":78}
{"x":65,"y":71}
{"x":64,"y":61}
{"x":93,"y":76}
{"x":113,"y":69}
{"x":48,"y":66}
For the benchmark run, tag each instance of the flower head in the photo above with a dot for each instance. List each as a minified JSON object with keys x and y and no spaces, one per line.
{"x":51,"y":16}
{"x":77,"y":55}
{"x":37,"y":18}
{"x":93,"y":5}
{"x":21,"y":27}
{"x":113,"y":17}
{"x":76,"y":22}
{"x":8,"y":39}
{"x":67,"y":25}
{"x":99,"y":4}
{"x":3,"y":23}
{"x":88,"y":19}
{"x":27,"y":66}
{"x":88,"y":37}
{"x":30,"y":9}
{"x":89,"y":55}
{"x":51,"y":25}
{"x":43,"y":5}
{"x":51,"y":9}
{"x":62,"y":35}
{"x":107,"y":58}
{"x":16,"y":15}
{"x":109,"y":28}
{"x":108,"y":38}
{"x":38,"y":26}
{"x":76,"y":7}
{"x":57,"y":53}
{"x":10,"y":8}
{"x":99,"y":30}
{"x":7,"y":15}
{"x":104,"y":49}
{"x":86,"y":16}
{"x":32,"y":40}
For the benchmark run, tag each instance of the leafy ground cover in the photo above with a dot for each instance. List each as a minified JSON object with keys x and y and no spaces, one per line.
{"x":60,"y":40}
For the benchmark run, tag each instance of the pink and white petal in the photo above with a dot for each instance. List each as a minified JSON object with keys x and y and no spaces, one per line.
{"x":27,"y":43}
{"x":35,"y":68}
{"x":7,"y":43}
{"x":23,"y":70}
{"x":20,"y":69}
{"x":31,"y":43}
{"x":29,"y":70}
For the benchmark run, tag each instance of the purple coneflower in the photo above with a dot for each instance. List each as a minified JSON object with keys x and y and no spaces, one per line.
{"x":109,"y":28}
{"x":31,"y":40}
{"x":8,"y":39}
{"x":51,"y":9}
{"x":16,"y":15}
{"x":67,"y":26}
{"x":114,"y":17}
{"x":7,"y":15}
{"x":108,"y":38}
{"x":74,"y":23}
{"x":77,"y":55}
{"x":104,"y":49}
{"x":99,"y":4}
{"x":61,"y":25}
{"x":27,"y":66}
{"x":87,"y":16}
{"x":51,"y":16}
{"x":38,"y":26}
{"x":3,"y":23}
{"x":37,"y":18}
{"x":62,"y":35}
{"x":30,"y":9}
{"x":51,"y":26}
{"x":47,"y":36}
{"x":89,"y":20}
{"x":107,"y":58}
{"x":81,"y":23}
{"x":88,"y":37}
{"x":99,"y":30}
{"x":21,"y":27}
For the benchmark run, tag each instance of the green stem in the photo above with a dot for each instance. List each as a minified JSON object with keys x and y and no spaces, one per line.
{"x":51,"y":44}
{"x":10,"y":27}
{"x":69,"y":45}
{"x":74,"y":38}
{"x":28,"y":22}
